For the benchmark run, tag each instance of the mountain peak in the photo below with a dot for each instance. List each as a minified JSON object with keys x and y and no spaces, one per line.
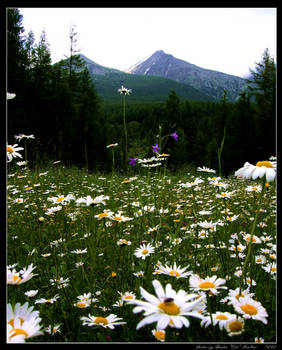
{"x":159,"y":52}
{"x":211,"y":82}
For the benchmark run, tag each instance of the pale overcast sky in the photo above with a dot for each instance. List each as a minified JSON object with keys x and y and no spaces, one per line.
{"x":228,"y":40}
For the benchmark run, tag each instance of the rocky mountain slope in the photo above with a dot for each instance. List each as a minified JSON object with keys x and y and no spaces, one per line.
{"x":210,"y":82}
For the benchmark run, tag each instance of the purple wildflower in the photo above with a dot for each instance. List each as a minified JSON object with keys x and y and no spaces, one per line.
{"x":132,"y":161}
{"x":156,"y":148}
{"x":174,"y":135}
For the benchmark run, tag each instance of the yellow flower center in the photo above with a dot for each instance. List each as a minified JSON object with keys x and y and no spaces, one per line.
{"x":18,"y":331}
{"x":273,"y":269}
{"x":81,"y":304}
{"x":99,"y":320}
{"x":174,"y":273}
{"x":235,"y":326}
{"x":16,"y":279}
{"x":10,"y":149}
{"x":103,"y":215}
{"x":249,"y":309}
{"x":170,"y":308}
{"x":206,"y":285}
{"x":145,"y":251}
{"x":60,"y":199}
{"x":117,"y":218}
{"x":221,"y":317}
{"x":128,"y":297}
{"x":160,"y":335}
{"x":265,"y":163}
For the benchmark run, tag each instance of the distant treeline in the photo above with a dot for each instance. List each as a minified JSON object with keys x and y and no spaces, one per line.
{"x":60,"y":106}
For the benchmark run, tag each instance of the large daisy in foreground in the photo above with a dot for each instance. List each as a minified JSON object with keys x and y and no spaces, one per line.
{"x":167,"y":308}
{"x":261,"y":169}
{"x":22,"y":323}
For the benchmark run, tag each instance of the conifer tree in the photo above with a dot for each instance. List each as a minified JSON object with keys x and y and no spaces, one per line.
{"x":263,"y":87}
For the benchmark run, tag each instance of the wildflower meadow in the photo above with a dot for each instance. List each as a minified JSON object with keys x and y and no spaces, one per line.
{"x":146,"y":255}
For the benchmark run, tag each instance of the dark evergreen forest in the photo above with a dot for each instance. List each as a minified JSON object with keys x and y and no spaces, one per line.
{"x":59,"y":105}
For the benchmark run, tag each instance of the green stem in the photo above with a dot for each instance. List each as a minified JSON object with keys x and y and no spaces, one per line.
{"x":25,"y":151}
{"x":113,"y":168}
{"x":125,"y":134}
{"x":251,"y":237}
{"x":219,"y":153}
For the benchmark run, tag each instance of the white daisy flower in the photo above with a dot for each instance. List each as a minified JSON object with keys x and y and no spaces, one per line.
{"x":31,"y":293}
{"x":53,"y":210}
{"x":250,"y":308}
{"x":270,"y":268}
{"x":235,"y":326}
{"x":144,"y":250}
{"x":61,"y":199}
{"x":47,"y":301}
{"x":84,"y":301}
{"x":120,"y":218}
{"x":79,"y":251}
{"x":106,"y":322}
{"x":22,"y":323}
{"x":105,"y":214}
{"x":255,"y":239}
{"x":167,"y":308}
{"x":112,"y":145}
{"x":88,"y":200}
{"x":127,"y":296}
{"x":174,"y":271}
{"x":124,"y":91}
{"x":14,"y":277}
{"x":220,"y":318}
{"x":208,"y":284}
{"x":253,"y":188}
{"x":159,"y":334}
{"x":12,"y":152}
{"x":123,"y":242}
{"x":10,"y":95}
{"x":205,"y":169}
{"x":261,"y":169}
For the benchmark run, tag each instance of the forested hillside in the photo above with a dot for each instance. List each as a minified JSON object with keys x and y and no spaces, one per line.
{"x":59,"y":104}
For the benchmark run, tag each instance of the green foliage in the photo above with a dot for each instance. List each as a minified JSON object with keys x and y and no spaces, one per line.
{"x":144,"y":88}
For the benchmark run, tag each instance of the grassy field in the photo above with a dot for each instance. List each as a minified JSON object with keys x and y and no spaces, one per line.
{"x":109,"y":235}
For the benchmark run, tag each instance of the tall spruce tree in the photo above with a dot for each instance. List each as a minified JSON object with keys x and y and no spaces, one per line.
{"x":17,"y":63}
{"x":263,"y":87}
